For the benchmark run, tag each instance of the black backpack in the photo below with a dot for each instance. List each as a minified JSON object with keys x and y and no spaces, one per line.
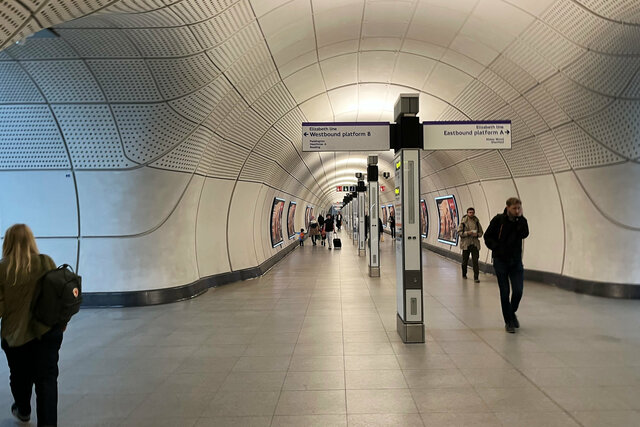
{"x":57,"y":297}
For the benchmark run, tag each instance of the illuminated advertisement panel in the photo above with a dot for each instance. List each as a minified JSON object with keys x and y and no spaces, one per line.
{"x":385,"y":218}
{"x":291,"y":226}
{"x":448,"y":217}
{"x":424,"y":219}
{"x":276,"y":222}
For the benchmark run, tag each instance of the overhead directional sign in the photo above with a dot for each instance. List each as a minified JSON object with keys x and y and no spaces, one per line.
{"x":345,"y":136}
{"x":346,"y":188}
{"x":467,"y":135}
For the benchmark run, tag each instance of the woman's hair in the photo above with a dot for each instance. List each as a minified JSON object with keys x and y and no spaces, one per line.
{"x":17,"y":249}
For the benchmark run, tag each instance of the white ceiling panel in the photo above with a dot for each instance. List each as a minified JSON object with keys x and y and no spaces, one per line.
{"x":412,"y":70}
{"x":446,"y":82}
{"x":376,"y":66}
{"x":349,"y":46}
{"x":317,"y":109}
{"x":340,"y":70}
{"x":338,"y":23}
{"x":288,"y":45}
{"x":305,"y":83}
{"x":534,"y":7}
{"x":473,"y":49}
{"x":262,"y":7}
{"x":462,"y":62}
{"x":381,"y":43}
{"x":387,"y":18}
{"x":291,"y":14}
{"x":437,"y":25}
{"x":488,"y":34}
{"x":297,"y":63}
{"x":430,"y":107}
{"x":421,"y":48}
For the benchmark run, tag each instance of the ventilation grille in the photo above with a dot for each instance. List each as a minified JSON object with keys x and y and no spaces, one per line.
{"x":148,"y":131}
{"x":157,"y":18}
{"x":228,"y":162}
{"x":532,"y":62}
{"x":618,"y":127}
{"x":519,"y":128}
{"x":65,"y":81}
{"x":513,"y":74}
{"x":581,"y":150}
{"x":258,"y":168}
{"x":467,"y":171}
{"x":574,"y":22}
{"x":620,"y":10}
{"x":125,"y":80}
{"x":209,"y":154}
{"x":503,"y":89}
{"x":275,"y":103}
{"x":91,"y":136}
{"x":12,"y":16}
{"x":164,"y":42}
{"x":490,"y":166}
{"x":29,"y":139}
{"x":16,"y":86}
{"x":452,"y":177}
{"x":533,"y":120}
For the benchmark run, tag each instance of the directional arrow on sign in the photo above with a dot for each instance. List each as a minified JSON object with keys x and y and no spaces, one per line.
{"x":305,"y":134}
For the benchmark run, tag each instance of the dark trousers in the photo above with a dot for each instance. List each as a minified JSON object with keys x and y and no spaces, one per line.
{"x":36,"y":362}
{"x":393,"y":232}
{"x":509,"y":270}
{"x":475,"y":254}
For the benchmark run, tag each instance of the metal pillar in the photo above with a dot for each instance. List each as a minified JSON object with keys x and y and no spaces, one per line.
{"x":362,"y":207}
{"x":374,"y":208}
{"x":354,"y":216}
{"x":410,"y":318}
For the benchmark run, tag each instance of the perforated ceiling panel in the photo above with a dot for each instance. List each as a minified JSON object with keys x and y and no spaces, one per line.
{"x":64,"y":81}
{"x":618,"y":127}
{"x":490,"y":165}
{"x":553,"y":153}
{"x":125,"y":80}
{"x":581,"y":150}
{"x":185,"y":157}
{"x":29,"y":139}
{"x":16,"y":86}
{"x":42,"y":49}
{"x":99,"y":43}
{"x":92,"y":136}
{"x":526,"y":158}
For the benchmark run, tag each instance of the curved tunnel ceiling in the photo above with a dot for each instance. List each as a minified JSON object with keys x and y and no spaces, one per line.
{"x":221,"y":87}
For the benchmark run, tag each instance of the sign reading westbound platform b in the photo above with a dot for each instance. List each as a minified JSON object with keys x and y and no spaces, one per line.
{"x":345,"y":136}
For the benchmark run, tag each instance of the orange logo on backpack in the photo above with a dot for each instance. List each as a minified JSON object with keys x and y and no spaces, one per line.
{"x":75,"y":292}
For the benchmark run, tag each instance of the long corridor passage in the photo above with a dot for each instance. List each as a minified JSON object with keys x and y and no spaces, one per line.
{"x":313,"y":343}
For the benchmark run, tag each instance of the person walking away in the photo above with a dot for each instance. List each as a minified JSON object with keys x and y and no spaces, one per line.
{"x":301,"y":237}
{"x":328,"y":228}
{"x":392,"y":226}
{"x":380,"y":231}
{"x":32,"y":349}
{"x":504,"y":237}
{"x":470,"y":232}
{"x":339,"y":221}
{"x":314,"y":230}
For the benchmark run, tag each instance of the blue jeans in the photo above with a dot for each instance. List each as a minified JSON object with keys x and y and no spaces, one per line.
{"x":36,"y":362}
{"x":509,"y":270}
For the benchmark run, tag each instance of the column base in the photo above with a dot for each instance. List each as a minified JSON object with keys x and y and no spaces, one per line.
{"x":362,"y":252}
{"x":374,"y":271}
{"x":410,"y":332}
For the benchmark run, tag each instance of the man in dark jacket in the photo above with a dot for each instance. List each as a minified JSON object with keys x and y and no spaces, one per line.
{"x":504,"y":237}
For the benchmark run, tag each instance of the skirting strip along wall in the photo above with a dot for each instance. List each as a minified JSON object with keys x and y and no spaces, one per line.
{"x":600,"y":289}
{"x":179,"y":293}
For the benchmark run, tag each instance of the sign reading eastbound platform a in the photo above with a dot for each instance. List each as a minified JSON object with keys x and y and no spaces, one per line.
{"x":345,"y":136}
{"x":467,"y":135}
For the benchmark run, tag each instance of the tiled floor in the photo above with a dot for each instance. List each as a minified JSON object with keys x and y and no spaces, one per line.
{"x":313,"y":343}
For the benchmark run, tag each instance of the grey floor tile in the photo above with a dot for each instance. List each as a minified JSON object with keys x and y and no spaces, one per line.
{"x":608,"y":418}
{"x":458,"y":400}
{"x":254,"y":381}
{"x":262,"y":363}
{"x":371,"y":362}
{"x":317,"y":380}
{"x":309,"y":421}
{"x":516,"y":398}
{"x":375,"y":379}
{"x":444,"y":419}
{"x":316,"y":363}
{"x":311,"y":402}
{"x":536,"y":419}
{"x":385,"y":420}
{"x":435,"y":378}
{"x":162,"y":405}
{"x":586,"y":398}
{"x":397,"y":401}
{"x":242,"y":403}
{"x":264,"y":421}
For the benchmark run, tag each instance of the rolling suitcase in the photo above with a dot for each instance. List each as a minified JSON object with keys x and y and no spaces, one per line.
{"x":337,"y":243}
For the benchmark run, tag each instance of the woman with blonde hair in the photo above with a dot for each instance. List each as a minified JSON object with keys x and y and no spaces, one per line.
{"x":31,"y":347}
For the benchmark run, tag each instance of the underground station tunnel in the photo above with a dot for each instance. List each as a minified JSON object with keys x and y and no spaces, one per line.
{"x":322,"y":212}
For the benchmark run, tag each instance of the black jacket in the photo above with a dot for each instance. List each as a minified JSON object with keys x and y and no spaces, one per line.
{"x":328,"y":224}
{"x":504,"y":237}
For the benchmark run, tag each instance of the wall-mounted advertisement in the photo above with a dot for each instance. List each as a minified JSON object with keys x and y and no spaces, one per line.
{"x":276,"y":222}
{"x":291,"y":226}
{"x":424,"y":219}
{"x":385,"y":217}
{"x":448,"y":215}
{"x":307,"y":217}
